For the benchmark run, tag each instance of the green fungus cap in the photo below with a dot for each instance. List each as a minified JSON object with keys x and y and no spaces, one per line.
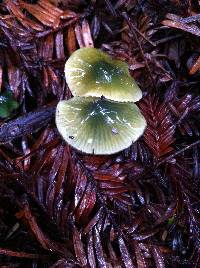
{"x":7,"y":104}
{"x":91,"y":72}
{"x":99,"y":126}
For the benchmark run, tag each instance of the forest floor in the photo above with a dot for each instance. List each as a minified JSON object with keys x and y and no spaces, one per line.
{"x":138,"y":208}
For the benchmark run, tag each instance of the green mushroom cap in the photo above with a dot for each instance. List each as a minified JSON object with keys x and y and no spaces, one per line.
{"x":99,"y":126}
{"x":91,"y":72}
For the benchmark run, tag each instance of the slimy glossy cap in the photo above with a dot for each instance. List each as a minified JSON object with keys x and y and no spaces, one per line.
{"x":91,"y":72}
{"x":99,"y":126}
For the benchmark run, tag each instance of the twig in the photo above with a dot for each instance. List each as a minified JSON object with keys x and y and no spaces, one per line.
{"x":111,"y":8}
{"x":26,"y":124}
{"x":179,"y":152}
{"x":60,"y":27}
{"x":191,"y":19}
{"x":132,"y":29}
{"x":20,"y":254}
{"x":193,"y":29}
{"x":195,"y":67}
{"x":167,"y":39}
{"x":143,"y":36}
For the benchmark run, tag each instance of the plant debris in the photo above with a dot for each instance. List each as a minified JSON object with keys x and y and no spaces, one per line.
{"x":138,"y":208}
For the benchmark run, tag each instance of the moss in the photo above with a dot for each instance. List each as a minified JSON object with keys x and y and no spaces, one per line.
{"x":7,"y":104}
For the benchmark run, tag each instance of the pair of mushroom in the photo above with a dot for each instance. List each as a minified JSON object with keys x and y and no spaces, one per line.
{"x":102,"y":117}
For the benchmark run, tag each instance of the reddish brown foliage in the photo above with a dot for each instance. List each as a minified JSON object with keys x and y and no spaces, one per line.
{"x":138,"y":208}
{"x":159,"y":134}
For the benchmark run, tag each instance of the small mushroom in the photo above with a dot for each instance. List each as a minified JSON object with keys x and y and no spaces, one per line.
{"x":91,"y":72}
{"x":99,"y":126}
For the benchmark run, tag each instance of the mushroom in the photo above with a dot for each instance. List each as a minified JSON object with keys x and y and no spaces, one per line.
{"x":91,"y":72}
{"x":99,"y":126}
{"x":7,"y":104}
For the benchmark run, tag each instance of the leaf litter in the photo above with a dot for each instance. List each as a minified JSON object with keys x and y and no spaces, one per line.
{"x":138,"y":208}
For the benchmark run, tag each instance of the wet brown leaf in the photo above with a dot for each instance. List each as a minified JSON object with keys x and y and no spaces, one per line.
{"x":86,"y":33}
{"x":137,"y":208}
{"x":181,"y":26}
{"x":78,"y":248}
{"x":126,"y":257}
{"x":59,"y":45}
{"x":70,"y":40}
